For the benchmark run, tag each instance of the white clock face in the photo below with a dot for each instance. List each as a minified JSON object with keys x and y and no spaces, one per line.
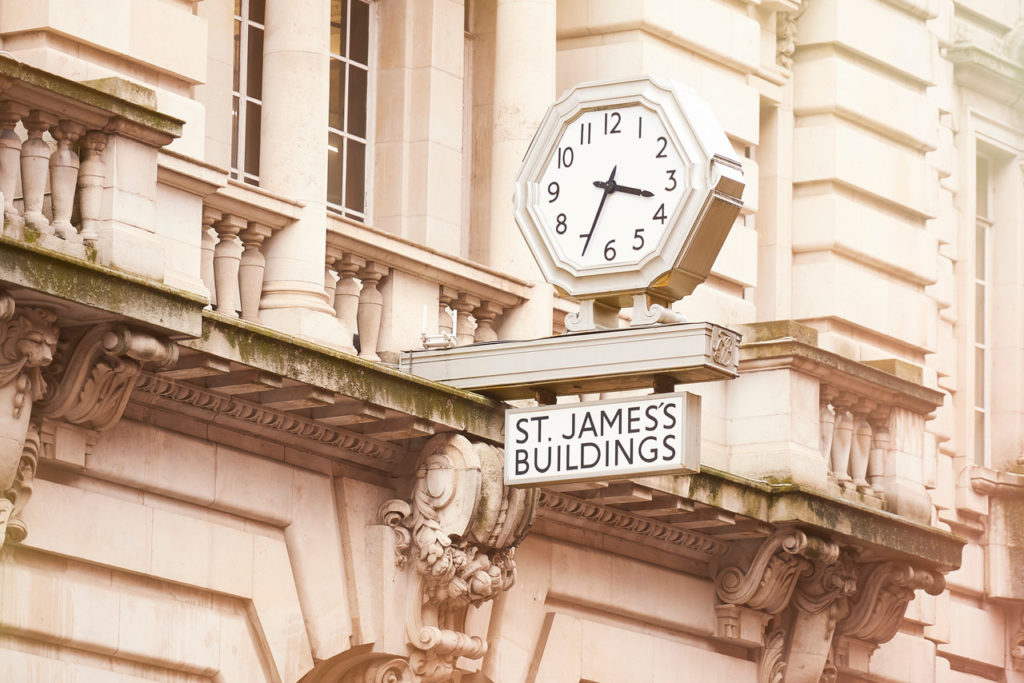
{"x":610,"y":188}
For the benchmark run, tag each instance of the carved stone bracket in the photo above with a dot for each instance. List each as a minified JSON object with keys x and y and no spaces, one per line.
{"x":28,"y":340}
{"x":1017,"y":645}
{"x":813,"y":596}
{"x":458,"y":531}
{"x":785,"y":36}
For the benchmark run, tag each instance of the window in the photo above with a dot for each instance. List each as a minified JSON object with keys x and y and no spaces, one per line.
{"x":247,"y":91}
{"x":347,"y":126}
{"x":982,"y":307}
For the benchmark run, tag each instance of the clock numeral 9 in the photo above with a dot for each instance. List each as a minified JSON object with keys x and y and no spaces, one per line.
{"x":609,"y":250}
{"x":554,"y":191}
{"x":638,"y":236}
{"x":565,"y":157}
{"x":560,"y":225}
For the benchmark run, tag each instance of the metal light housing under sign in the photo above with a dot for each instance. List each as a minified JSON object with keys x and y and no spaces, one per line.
{"x":600,"y":440}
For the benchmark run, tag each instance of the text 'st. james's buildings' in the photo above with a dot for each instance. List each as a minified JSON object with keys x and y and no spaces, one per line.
{"x":274,"y":337}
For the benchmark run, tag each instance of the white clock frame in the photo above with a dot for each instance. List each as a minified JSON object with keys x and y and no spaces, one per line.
{"x":696,"y":230}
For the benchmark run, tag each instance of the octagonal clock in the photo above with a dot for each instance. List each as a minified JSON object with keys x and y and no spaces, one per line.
{"x":628,"y":187}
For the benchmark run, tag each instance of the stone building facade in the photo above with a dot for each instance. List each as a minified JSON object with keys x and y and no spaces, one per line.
{"x":224,"y":221}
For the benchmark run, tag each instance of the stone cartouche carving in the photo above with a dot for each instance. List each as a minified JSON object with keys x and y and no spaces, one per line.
{"x":28,"y":340}
{"x":458,"y":533}
{"x":99,"y":374}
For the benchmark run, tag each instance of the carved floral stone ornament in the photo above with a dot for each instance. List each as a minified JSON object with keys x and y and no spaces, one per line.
{"x":456,"y":537}
{"x":815,"y":601}
{"x":85,"y":381}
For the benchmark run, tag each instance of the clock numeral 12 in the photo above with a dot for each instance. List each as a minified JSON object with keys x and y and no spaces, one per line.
{"x":616,"y":118}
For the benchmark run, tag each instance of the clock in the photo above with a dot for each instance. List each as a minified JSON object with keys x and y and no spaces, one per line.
{"x":629,"y":187}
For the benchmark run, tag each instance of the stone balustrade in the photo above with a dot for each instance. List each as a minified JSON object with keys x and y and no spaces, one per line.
{"x":68,"y":152}
{"x":395,"y":295}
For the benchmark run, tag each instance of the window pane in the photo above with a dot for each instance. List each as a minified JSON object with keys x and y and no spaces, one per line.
{"x":360,"y":41}
{"x":237,"y":55}
{"x":252,"y":138}
{"x":234,"y":133}
{"x":238,"y":8}
{"x":981,"y":187}
{"x":337,"y":108}
{"x":338,"y":27}
{"x":257,"y":11}
{"x":357,"y":102}
{"x":335,"y":171}
{"x":254,"y":65}
{"x":354,"y":176}
{"x":979,"y":378}
{"x":979,"y":438}
{"x":980,"y":252}
{"x":979,"y":314}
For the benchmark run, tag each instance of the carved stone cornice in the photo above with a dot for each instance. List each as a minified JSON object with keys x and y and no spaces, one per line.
{"x":458,"y":532}
{"x":218,"y":404}
{"x":98,"y":372}
{"x":633,"y":524}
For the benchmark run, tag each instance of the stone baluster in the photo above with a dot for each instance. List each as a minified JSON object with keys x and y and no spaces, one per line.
{"x":226,"y":260}
{"x":861,"y":448}
{"x":207,"y":242}
{"x":485,"y":314}
{"x":331,"y":255}
{"x":91,"y":177}
{"x":826,"y":419}
{"x":444,"y":317}
{"x":64,"y":166}
{"x":10,"y":158}
{"x":250,"y":269}
{"x":371,"y":309}
{"x":35,"y":163}
{"x":842,"y":439}
{"x":463,"y":305}
{"x":346,"y":297}
{"x":879,"y":447}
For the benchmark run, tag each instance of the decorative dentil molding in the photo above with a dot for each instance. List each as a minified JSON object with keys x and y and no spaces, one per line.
{"x":458,"y":532}
{"x":634,"y":524}
{"x":262,"y":416}
{"x":818,"y":594}
{"x":28,"y":341}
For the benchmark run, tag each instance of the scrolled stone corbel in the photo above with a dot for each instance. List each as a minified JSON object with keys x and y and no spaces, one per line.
{"x":28,"y":341}
{"x":885,"y":590}
{"x":458,"y":532}
{"x":97,"y":377}
{"x":768,"y":583}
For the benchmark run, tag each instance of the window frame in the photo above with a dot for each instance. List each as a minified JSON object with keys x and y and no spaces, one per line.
{"x":241,"y":97}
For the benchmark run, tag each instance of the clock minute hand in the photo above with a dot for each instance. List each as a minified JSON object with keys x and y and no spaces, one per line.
{"x":613,"y":186}
{"x":608,"y":188}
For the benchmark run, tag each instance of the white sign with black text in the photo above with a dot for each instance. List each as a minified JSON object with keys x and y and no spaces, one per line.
{"x":612,"y":439}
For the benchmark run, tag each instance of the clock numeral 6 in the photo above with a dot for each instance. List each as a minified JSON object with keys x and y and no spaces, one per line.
{"x":609,"y":250}
{"x":560,"y":225}
{"x":553,"y":190}
{"x":638,"y":236}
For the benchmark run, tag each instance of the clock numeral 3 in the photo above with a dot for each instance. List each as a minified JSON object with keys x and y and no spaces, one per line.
{"x":638,"y":236}
{"x":609,"y":250}
{"x":672,"y":177}
{"x":565,"y":157}
{"x":554,"y":191}
{"x":560,"y":225}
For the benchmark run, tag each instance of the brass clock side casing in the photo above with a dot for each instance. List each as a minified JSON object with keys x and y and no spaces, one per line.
{"x":696,"y":230}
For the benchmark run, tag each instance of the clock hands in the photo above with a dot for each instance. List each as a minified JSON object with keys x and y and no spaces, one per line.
{"x":612,"y":186}
{"x":608,"y":188}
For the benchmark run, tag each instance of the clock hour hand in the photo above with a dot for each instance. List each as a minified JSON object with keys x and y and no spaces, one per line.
{"x":608,"y":188}
{"x":615,"y":187}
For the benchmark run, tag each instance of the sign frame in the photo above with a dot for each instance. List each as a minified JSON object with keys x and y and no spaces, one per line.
{"x":687,"y":429}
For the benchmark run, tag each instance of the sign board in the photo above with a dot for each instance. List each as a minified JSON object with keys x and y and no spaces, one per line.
{"x":613,"y":439}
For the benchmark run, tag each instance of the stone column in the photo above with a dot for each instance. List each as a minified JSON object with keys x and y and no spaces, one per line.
{"x":293,"y":163}
{"x":524,"y":87}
